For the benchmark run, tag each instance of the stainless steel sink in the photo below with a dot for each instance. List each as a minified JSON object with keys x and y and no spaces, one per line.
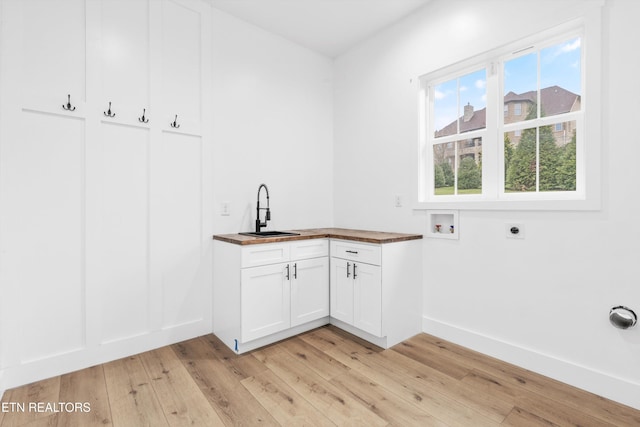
{"x":269,"y":233}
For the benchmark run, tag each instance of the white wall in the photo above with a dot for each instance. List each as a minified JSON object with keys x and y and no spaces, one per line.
{"x":541,"y":302}
{"x":272,"y":124}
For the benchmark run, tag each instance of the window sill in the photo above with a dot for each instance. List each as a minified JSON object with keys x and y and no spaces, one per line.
{"x":512,"y":205}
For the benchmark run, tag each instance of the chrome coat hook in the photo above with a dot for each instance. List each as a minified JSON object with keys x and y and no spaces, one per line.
{"x":68,"y":107}
{"x":175,"y":123}
{"x":108,"y":112}
{"x":142,"y":119}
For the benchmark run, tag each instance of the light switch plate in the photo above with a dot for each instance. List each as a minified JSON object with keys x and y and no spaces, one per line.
{"x":225,"y":208}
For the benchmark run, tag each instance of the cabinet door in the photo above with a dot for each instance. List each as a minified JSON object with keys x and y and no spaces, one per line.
{"x":265,"y":300}
{"x":341,"y":290}
{"x":309,"y":290}
{"x":367,"y":295}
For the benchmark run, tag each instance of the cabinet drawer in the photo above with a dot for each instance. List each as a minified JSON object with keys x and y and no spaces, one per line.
{"x":370,"y":254}
{"x":305,"y":249}
{"x":268,"y":253}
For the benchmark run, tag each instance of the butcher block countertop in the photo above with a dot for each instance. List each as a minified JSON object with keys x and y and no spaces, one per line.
{"x":319,"y":233}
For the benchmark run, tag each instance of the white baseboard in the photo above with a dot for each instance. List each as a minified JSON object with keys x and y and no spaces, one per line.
{"x":35,"y":370}
{"x":600,"y":383}
{"x":2,"y":386}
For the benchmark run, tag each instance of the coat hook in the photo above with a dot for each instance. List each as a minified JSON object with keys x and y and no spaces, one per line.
{"x":142,"y":119}
{"x":175,"y":123}
{"x":68,"y":107}
{"x":108,"y":113}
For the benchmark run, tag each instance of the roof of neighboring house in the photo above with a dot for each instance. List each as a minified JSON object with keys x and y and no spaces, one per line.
{"x":477,"y":121}
{"x":555,"y":100}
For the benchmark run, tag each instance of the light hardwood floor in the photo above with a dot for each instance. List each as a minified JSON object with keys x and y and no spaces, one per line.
{"x":324,"y":377}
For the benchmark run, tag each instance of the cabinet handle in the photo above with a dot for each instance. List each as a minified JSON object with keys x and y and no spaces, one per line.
{"x":352,"y":252}
{"x":348,"y":266}
{"x":354,"y":271}
{"x":288,"y":272}
{"x":295,"y":270}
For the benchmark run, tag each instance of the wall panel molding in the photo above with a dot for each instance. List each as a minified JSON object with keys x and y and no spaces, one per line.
{"x":106,"y":247}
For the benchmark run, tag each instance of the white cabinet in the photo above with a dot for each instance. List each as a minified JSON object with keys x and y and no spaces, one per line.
{"x":367,"y":298}
{"x":263,"y":293}
{"x":267,"y":292}
{"x":356,"y":287}
{"x":309,"y":290}
{"x":341,"y":290}
{"x":265,"y":300}
{"x":376,"y":289}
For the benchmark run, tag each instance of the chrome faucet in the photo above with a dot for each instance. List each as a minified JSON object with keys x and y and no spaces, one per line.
{"x":267,"y":216}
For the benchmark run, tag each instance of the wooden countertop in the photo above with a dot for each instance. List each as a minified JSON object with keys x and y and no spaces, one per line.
{"x":319,"y":233}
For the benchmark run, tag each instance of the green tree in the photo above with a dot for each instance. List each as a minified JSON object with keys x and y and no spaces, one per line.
{"x":549,"y":159}
{"x":469,"y":175}
{"x":508,"y":149}
{"x":566,"y":171}
{"x":448,"y":174}
{"x":438,"y":179}
{"x":521,"y":169}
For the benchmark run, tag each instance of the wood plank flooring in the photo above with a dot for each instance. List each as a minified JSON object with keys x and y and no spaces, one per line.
{"x":325,"y":377}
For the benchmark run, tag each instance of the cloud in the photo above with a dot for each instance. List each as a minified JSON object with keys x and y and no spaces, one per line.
{"x":463,"y":88}
{"x":570,"y":47}
{"x":480,"y":84}
{"x":439,"y":95}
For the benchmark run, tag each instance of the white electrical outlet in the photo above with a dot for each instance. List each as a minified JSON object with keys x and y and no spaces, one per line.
{"x":225,"y":208}
{"x":514,"y":231}
{"x":398,"y":201}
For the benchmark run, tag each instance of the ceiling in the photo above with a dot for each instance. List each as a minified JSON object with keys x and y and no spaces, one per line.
{"x":329,"y":27}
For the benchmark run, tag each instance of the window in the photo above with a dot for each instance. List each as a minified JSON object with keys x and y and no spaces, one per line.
{"x":535,"y":150}
{"x":517,"y":109}
{"x":459,"y":129}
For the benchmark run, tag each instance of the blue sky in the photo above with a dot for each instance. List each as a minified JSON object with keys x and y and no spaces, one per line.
{"x":559,"y":65}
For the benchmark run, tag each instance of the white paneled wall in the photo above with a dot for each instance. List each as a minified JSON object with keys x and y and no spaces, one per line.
{"x":105,"y":221}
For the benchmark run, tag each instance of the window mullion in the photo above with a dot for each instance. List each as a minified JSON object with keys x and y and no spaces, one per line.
{"x":537,"y":160}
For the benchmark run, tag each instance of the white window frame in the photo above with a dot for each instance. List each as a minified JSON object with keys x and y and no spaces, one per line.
{"x":588,"y":122}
